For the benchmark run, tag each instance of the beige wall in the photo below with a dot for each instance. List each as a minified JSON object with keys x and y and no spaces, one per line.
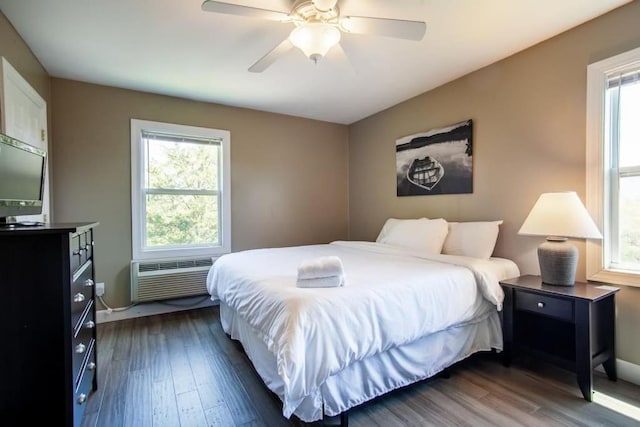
{"x":288,"y":175}
{"x":19,"y":55}
{"x":528,"y":115}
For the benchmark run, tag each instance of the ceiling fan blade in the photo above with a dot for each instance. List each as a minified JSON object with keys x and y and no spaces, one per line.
{"x":398,"y":28}
{"x":340,"y":57}
{"x":271,"y":57}
{"x":251,"y":12}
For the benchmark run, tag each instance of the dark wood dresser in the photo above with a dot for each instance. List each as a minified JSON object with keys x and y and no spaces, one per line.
{"x":47,"y":323}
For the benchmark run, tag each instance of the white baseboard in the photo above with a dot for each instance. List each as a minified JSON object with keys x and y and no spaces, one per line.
{"x":149,"y":309}
{"x":626,"y":371}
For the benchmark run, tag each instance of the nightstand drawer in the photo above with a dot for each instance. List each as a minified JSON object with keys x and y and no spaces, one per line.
{"x":544,"y":305}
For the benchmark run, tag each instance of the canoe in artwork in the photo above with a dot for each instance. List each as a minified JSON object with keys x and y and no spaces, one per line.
{"x":425,"y":172}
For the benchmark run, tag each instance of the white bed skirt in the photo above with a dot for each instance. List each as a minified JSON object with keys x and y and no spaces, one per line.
{"x":375,"y":375}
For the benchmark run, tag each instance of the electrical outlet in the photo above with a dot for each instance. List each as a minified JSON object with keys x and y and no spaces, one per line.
{"x":100,"y":289}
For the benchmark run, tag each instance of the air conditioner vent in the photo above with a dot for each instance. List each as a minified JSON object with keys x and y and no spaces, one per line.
{"x":172,"y":265}
{"x":203,"y":262}
{"x":166,"y":279}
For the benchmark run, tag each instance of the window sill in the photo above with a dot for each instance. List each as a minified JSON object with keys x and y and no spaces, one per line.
{"x":616,"y":277}
{"x":169,"y":254}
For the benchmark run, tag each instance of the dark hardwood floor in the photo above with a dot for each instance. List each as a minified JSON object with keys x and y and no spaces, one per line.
{"x":180,"y":369}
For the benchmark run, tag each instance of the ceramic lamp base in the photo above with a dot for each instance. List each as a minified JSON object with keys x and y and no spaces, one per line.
{"x":558,"y":262}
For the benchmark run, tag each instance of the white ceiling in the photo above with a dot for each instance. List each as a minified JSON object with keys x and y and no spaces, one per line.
{"x":172,"y":47}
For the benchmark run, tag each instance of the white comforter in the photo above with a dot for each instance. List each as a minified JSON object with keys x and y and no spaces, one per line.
{"x":391,"y":297}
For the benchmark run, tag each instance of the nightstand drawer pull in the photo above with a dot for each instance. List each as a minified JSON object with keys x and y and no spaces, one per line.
{"x":80,"y":348}
{"x":82,"y":398}
{"x":540,"y":305}
{"x":78,"y":297}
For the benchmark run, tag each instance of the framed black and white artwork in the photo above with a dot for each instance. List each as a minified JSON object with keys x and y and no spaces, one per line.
{"x":438,"y":161}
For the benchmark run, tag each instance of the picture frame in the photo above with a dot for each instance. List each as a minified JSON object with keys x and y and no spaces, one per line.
{"x":437,"y":161}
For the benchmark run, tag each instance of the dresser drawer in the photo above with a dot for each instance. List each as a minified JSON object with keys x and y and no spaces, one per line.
{"x":84,"y":385}
{"x":88,"y":244}
{"x":545,"y":305}
{"x":81,"y":292}
{"x":83,"y":341}
{"x":80,"y":249}
{"x":74,"y":252}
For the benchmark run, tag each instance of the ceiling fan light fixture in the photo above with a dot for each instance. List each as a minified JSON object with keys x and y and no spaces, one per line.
{"x":318,"y":27}
{"x":315,"y":39}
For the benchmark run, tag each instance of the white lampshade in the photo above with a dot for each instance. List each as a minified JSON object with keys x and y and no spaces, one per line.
{"x":562,"y":215}
{"x":315,"y":39}
{"x":559,"y":216}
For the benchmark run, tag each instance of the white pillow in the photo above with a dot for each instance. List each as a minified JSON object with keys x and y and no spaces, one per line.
{"x":388,"y":226}
{"x":424,"y":235}
{"x":473,"y":239}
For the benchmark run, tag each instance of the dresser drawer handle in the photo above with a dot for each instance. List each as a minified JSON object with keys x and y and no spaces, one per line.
{"x":80,"y":348}
{"x":87,"y":246}
{"x":90,"y":324}
{"x":540,"y":305}
{"x":89,"y":282}
{"x":82,"y":398}
{"x":91,"y":366}
{"x":78,"y":297}
{"x":79,"y":252}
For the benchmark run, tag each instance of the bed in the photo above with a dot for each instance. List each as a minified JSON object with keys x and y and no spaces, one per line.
{"x":404,"y":314}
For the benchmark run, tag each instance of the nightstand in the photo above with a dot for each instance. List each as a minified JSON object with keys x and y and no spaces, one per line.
{"x":573,"y":326}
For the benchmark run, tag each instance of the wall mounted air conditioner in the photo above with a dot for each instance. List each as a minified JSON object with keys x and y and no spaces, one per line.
{"x":168,"y":279}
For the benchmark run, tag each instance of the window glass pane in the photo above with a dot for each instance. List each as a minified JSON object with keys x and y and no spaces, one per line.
{"x":629,"y":221}
{"x":630,"y":124}
{"x":181,"y":220}
{"x":181,"y":165}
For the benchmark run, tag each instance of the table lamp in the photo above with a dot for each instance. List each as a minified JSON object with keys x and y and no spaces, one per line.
{"x":559,"y":216}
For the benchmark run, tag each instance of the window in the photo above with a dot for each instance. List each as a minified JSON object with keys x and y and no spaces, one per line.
{"x":613,"y":167}
{"x":180,"y":201}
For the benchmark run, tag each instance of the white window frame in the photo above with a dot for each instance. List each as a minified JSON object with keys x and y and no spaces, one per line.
{"x":597,"y":178}
{"x":138,"y":228}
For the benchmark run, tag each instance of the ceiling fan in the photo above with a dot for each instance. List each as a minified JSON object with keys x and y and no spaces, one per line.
{"x":318,"y":27}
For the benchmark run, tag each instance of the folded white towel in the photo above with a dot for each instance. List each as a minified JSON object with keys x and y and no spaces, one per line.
{"x":321,"y":282}
{"x":326,"y":266}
